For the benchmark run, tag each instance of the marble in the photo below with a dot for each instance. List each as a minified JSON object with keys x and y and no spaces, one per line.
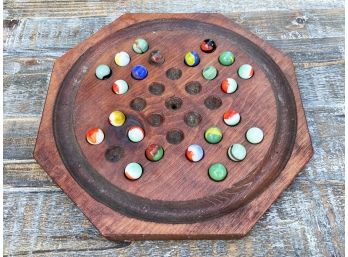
{"x":140,"y":46}
{"x":95,"y":136}
{"x":254,"y":135}
{"x":122,"y":59}
{"x":217,"y":172}
{"x":117,"y":118}
{"x":135,"y":134}
{"x":229,"y":86}
{"x":209,"y":72}
{"x":103,"y":71}
{"x":133,"y":171}
{"x":231,"y":117}
{"x":156,"y":57}
{"x":237,"y":152}
{"x":154,"y":152}
{"x":208,"y":46}
{"x":192,"y":59}
{"x":245,"y":71}
{"x":139,"y":72}
{"x":120,"y":87}
{"x":226,"y":58}
{"x":213,"y":135}
{"x":194,"y":153}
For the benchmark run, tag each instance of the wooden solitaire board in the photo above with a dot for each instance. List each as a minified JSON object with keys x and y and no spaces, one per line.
{"x":174,"y":198}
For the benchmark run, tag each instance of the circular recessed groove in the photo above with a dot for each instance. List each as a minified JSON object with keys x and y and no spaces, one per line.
{"x":173,"y":73}
{"x":192,"y":119}
{"x":155,"y":119}
{"x":175,"y":136}
{"x":114,"y":154}
{"x":173,"y":103}
{"x":156,"y":88}
{"x":193,"y":87}
{"x":213,"y":102}
{"x":138,"y":104}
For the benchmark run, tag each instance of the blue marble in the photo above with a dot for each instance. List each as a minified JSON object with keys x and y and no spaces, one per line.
{"x":139,"y":72}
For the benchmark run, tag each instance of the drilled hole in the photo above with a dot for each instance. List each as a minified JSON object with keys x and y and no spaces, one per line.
{"x":192,"y":119}
{"x":193,"y":87}
{"x":173,"y":103}
{"x":212,"y":102}
{"x":155,"y":119}
{"x":175,"y":136}
{"x":156,"y":88}
{"x":138,"y":104}
{"x":173,"y":73}
{"x":114,"y":154}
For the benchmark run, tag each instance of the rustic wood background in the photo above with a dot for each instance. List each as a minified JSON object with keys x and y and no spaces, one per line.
{"x":307,"y":220}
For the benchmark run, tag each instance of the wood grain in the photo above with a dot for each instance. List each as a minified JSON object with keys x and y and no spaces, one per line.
{"x":289,"y":228}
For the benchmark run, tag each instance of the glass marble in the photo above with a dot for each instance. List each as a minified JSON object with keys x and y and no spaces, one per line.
{"x":133,"y":171}
{"x":231,"y":118}
{"x":245,"y":71}
{"x":156,"y":57}
{"x":95,"y":136}
{"x":208,"y":45}
{"x":209,"y":72}
{"x":254,"y":135}
{"x":103,"y":71}
{"x":229,"y":86}
{"x":192,"y":59}
{"x":117,"y":118}
{"x":139,"y":72}
{"x":136,"y":134}
{"x":236,"y":152}
{"x":213,"y":135}
{"x":122,"y":59}
{"x":140,"y":46}
{"x":226,"y":58}
{"x":217,"y":172}
{"x":194,"y":153}
{"x":154,"y":152}
{"x":120,"y":87}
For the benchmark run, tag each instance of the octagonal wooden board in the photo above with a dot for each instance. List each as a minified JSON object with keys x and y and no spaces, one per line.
{"x":174,"y":198}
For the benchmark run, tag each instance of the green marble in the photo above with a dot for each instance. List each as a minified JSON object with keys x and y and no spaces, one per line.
{"x":209,"y":72}
{"x":213,"y":135}
{"x":103,"y":71}
{"x":140,"y":46}
{"x":226,"y":58}
{"x":254,"y":135}
{"x":236,"y":152}
{"x":217,"y":172}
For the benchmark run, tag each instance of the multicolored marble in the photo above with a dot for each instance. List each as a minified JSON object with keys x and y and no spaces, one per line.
{"x":136,"y":134}
{"x":156,"y":57}
{"x":245,"y":71}
{"x":231,"y":118}
{"x":192,"y":59}
{"x":95,"y":136}
{"x":140,"y":46}
{"x":213,"y":135}
{"x":226,"y":58}
{"x":117,"y":118}
{"x":154,"y":152}
{"x":208,"y":45}
{"x":254,"y":135}
{"x":237,"y":152}
{"x":217,"y":172}
{"x":209,"y":72}
{"x":194,"y":153}
{"x":133,"y":171}
{"x":103,"y":71}
{"x":229,"y":86}
{"x":120,"y":87}
{"x":139,"y":72}
{"x":122,"y":59}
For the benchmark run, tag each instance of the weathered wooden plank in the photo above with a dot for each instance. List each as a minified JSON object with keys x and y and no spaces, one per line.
{"x":46,"y":35}
{"x":57,"y":228}
{"x":15,"y":9}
